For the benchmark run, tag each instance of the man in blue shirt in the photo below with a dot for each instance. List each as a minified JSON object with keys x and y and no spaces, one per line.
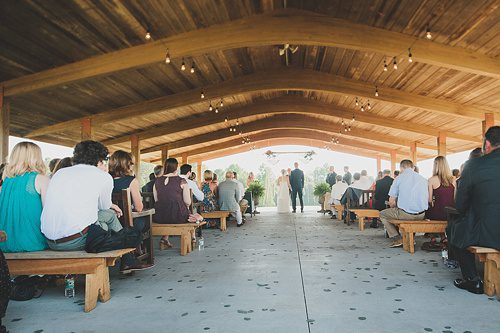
{"x":408,"y":199}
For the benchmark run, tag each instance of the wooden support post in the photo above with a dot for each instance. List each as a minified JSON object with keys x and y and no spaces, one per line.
{"x":87,"y":129}
{"x":393,"y":161}
{"x":441,"y":143}
{"x":379,"y":164}
{"x":413,"y":152}
{"x":489,"y":121}
{"x":4,"y":127}
{"x":184,"y":158}
{"x":198,"y":171}
{"x":164,"y":154}
{"x":136,"y":155}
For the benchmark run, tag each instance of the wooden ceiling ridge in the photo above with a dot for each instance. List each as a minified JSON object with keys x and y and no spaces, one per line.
{"x":288,"y":25}
{"x":285,"y":104}
{"x":289,"y":134}
{"x":329,"y":128}
{"x":280,"y":79}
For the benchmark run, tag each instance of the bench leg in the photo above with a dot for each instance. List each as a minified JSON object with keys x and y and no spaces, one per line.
{"x":405,"y":240}
{"x":411,"y":241}
{"x":94,"y":287}
{"x":491,"y":278}
{"x":185,"y":241}
{"x":361,"y":222}
{"x":223,"y":225}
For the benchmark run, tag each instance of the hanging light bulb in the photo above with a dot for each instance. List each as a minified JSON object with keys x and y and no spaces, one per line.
{"x":428,"y":33}
{"x":345,"y":128}
{"x":385,"y":66}
{"x":241,"y":133}
{"x":183,"y":66}
{"x":167,"y":57}
{"x":221,"y":103}
{"x":225,"y":120}
{"x":357,"y":102}
{"x":202,"y":95}
{"x":353,"y":118}
{"x":148,"y":35}
{"x":349,"y":128}
{"x":376,"y":91}
{"x":237,"y":122}
{"x":210,"y":107}
{"x":192,"y":68}
{"x":395,"y":63}
{"x":343,"y":122}
{"x":369,"y":106}
{"x":216,"y":110}
{"x":410,"y":59}
{"x":362,"y":108}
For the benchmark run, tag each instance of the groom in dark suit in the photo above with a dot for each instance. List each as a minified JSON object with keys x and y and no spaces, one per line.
{"x":297,"y":183}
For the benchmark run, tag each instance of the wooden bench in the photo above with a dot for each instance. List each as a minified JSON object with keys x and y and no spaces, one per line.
{"x":184,"y":230}
{"x":365,"y":213}
{"x":491,"y":259}
{"x":340,"y":211}
{"x":93,"y":265}
{"x":409,"y":228}
{"x":218,"y":214}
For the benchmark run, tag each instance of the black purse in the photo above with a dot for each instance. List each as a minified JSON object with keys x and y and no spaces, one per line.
{"x":24,"y":287}
{"x":100,"y":240}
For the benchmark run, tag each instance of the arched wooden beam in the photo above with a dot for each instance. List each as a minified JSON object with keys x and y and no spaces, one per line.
{"x":277,"y":80}
{"x":290,"y":26}
{"x":291,"y":135}
{"x":328,"y":128}
{"x":287,"y":104}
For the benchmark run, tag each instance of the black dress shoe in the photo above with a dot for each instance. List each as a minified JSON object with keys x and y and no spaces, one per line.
{"x":239,"y":225}
{"x":471,"y":285}
{"x":374,"y":225}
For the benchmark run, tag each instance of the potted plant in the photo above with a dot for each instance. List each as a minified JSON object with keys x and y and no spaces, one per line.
{"x":257,"y":191}
{"x":320,"y":190}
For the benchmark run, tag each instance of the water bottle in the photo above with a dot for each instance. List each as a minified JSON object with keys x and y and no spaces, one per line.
{"x":69,"y":286}
{"x":444,"y":254}
{"x":201,"y":244}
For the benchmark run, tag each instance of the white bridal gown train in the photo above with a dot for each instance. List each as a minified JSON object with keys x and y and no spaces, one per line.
{"x":283,"y":195}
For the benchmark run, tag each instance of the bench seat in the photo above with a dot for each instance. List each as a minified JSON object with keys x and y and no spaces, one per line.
{"x":491,"y":259}
{"x":365,"y":213}
{"x":184,"y":230}
{"x":218,"y":214}
{"x":93,"y":265}
{"x":340,"y":211}
{"x":410,"y":227}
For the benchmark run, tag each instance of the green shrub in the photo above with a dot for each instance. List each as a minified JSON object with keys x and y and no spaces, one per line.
{"x":321,"y":189}
{"x":257,"y":189}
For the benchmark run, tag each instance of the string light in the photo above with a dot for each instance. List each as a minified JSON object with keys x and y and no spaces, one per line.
{"x":192,"y":68}
{"x":428,"y":33}
{"x":237,"y":122}
{"x":167,"y":58}
{"x":376,"y":91}
{"x":385,"y":66}
{"x":395,"y":63}
{"x":349,"y":128}
{"x":202,"y":95}
{"x":210,"y":107}
{"x":410,"y":59}
{"x":183,"y":66}
{"x":353,"y":118}
{"x":225,"y":120}
{"x":357,"y":102}
{"x":216,"y":110}
{"x":221,"y":103}
{"x":369,"y":106}
{"x":362,"y":108}
{"x":148,"y":35}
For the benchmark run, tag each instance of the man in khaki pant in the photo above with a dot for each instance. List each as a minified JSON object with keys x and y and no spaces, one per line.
{"x":408,"y":199}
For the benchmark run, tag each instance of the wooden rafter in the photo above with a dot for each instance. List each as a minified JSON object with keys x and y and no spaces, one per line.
{"x":292,"y":26}
{"x":328,"y":128}
{"x":287,"y":104}
{"x":278,"y":80}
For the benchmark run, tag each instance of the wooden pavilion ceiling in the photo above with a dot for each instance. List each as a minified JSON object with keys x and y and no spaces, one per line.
{"x":60,"y":63}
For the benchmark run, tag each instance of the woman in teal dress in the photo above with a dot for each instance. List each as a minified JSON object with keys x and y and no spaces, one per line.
{"x":21,"y":197}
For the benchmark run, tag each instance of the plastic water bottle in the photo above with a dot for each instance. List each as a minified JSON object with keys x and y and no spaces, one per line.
{"x":444,"y":254}
{"x":69,"y":286}
{"x":201,"y":244}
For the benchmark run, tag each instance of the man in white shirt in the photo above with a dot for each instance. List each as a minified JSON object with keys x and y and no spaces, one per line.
{"x":185,"y":173}
{"x":78,"y":199}
{"x":338,"y":190}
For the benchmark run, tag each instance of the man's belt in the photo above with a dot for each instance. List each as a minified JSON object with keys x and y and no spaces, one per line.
{"x":69,"y":238}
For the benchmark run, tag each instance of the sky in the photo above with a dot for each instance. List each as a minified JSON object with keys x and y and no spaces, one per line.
{"x":251,"y":160}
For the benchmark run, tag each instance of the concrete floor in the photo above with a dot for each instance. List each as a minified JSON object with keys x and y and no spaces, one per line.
{"x":278,"y":273}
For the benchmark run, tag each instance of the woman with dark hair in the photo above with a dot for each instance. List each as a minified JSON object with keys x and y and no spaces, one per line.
{"x":63,"y":163}
{"x":120,"y":168}
{"x":172,"y":199}
{"x":475,"y":153}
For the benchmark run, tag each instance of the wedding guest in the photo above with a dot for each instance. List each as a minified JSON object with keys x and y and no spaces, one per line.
{"x":441,"y":190}
{"x":338,"y":190}
{"x":229,"y":194}
{"x":250,"y":179}
{"x":157,"y":172}
{"x":475,"y":153}
{"x":456,"y":173}
{"x":347,"y":176}
{"x":52,"y":164}
{"x":63,"y":163}
{"x":396,"y":174}
{"x":186,"y":174}
{"x":215,"y":179}
{"x":331,"y":177}
{"x":22,"y":198}
{"x":120,"y":168}
{"x":381,"y":196}
{"x":209,"y":189}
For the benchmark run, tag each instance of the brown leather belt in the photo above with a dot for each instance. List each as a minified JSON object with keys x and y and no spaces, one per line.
{"x":69,"y":238}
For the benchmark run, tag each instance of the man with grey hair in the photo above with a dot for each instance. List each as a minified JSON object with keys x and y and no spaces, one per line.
{"x":229,"y":195}
{"x":157,"y":172}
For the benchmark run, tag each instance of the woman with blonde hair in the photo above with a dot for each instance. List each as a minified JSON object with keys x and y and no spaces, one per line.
{"x":441,"y":190}
{"x":21,"y":199}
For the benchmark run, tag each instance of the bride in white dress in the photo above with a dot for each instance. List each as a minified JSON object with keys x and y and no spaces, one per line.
{"x":283,"y":193}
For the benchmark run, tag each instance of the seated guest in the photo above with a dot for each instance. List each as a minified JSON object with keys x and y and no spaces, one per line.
{"x":456,"y":173}
{"x":78,"y":207}
{"x":157,"y":172}
{"x":229,"y":196}
{"x":215,"y":180}
{"x":243,"y":202}
{"x":381,"y":196}
{"x":192,"y":177}
{"x":478,"y":202}
{"x":355,"y":180}
{"x":52,"y":164}
{"x":21,"y":199}
{"x":120,"y":168}
{"x":209,"y":189}
{"x":410,"y":191}
{"x":365,"y":182}
{"x":380,"y":175}
{"x":250,"y":179}
{"x":172,"y":199}
{"x":475,"y":153}
{"x":441,"y":190}
{"x":396,"y":174}
{"x":63,"y":163}
{"x":186,"y":174}
{"x":338,"y":190}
